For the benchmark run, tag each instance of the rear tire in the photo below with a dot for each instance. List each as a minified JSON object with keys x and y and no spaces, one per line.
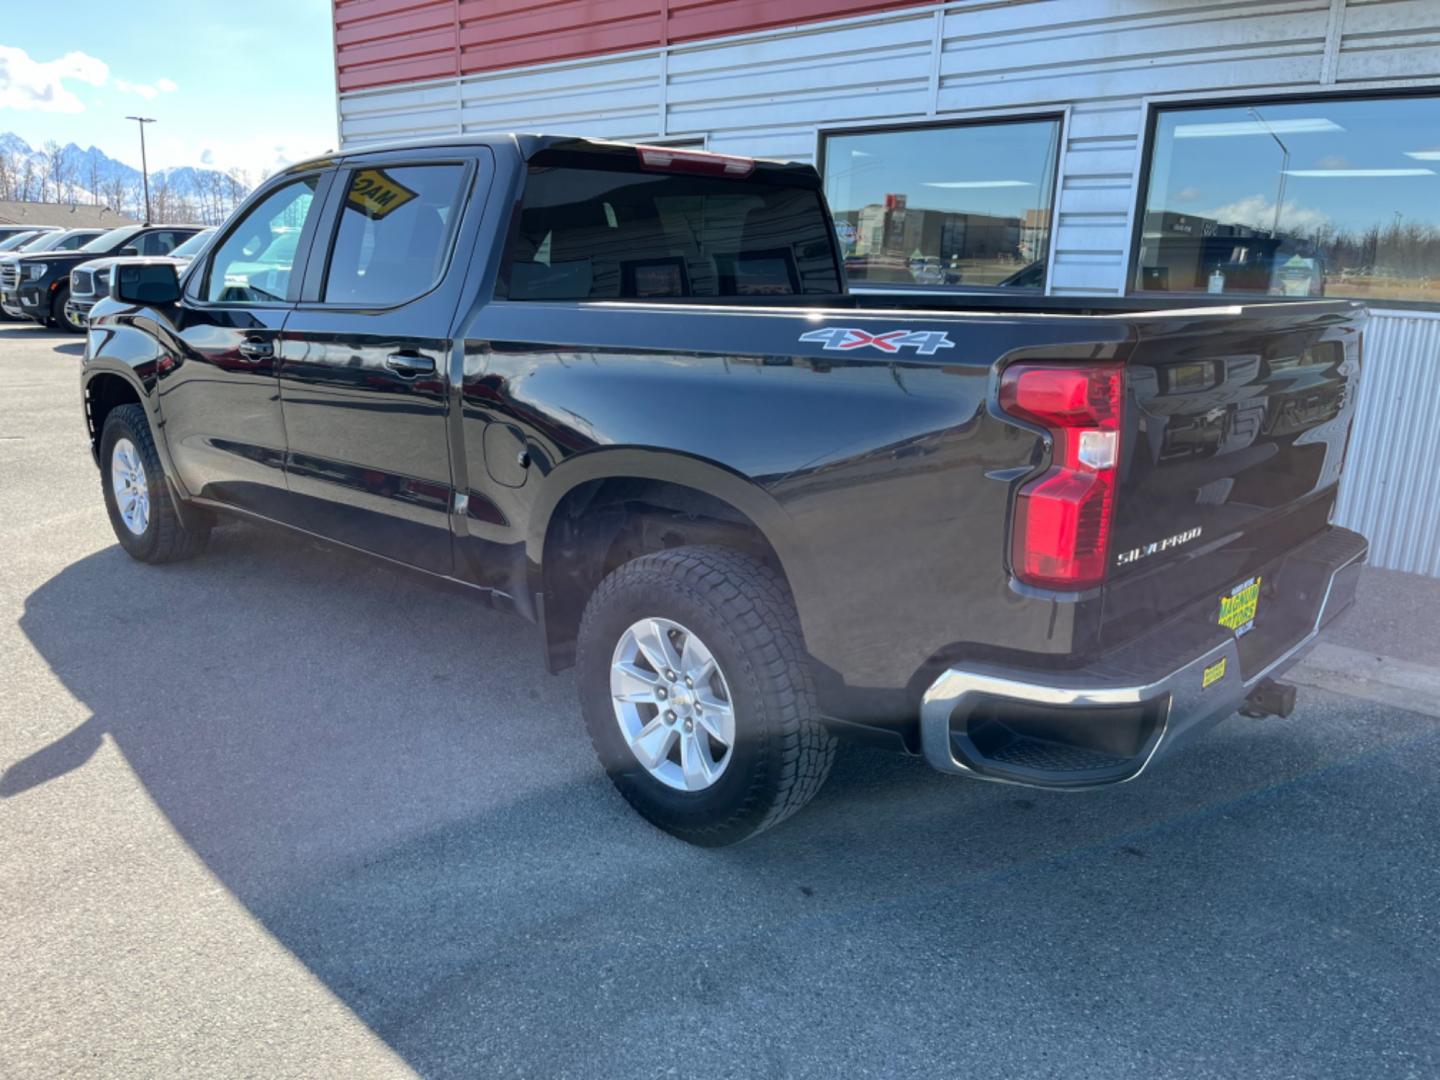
{"x":136,"y":495}
{"x":739,"y":613}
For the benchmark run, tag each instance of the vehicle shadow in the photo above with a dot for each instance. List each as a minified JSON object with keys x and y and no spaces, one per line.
{"x":382,"y":773}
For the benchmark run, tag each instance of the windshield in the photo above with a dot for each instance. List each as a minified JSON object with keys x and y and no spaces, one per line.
{"x":48,"y":242}
{"x":190,"y":248}
{"x":107,"y":242}
{"x":19,"y":240}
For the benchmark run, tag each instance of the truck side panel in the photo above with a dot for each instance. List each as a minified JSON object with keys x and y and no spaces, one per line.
{"x":891,"y":477}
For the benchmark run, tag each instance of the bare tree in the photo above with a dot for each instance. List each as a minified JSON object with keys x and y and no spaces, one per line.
{"x":9,"y":165}
{"x":65,"y":175}
{"x":49,"y":163}
{"x":27,"y":181}
{"x":94,"y":180}
{"x":160,"y":197}
{"x":115,"y":193}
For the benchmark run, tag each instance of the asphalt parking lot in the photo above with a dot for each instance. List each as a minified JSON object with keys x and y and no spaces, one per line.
{"x":282,"y":812}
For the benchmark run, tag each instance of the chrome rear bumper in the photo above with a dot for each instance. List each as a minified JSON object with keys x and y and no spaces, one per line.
{"x":1097,"y":729}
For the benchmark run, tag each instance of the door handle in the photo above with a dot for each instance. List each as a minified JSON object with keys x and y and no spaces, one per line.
{"x":408,"y":365}
{"x":256,"y":349}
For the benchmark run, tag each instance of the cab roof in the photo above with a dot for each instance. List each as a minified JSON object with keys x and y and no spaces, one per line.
{"x":531,"y":144}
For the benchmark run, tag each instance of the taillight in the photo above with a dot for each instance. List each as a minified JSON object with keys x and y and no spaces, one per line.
{"x":668,"y":159}
{"x":1061,"y":538}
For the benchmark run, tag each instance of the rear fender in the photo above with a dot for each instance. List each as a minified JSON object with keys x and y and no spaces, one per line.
{"x":669,"y":467}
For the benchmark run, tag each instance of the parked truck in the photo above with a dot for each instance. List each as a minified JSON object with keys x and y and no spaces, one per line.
{"x":622,"y":392}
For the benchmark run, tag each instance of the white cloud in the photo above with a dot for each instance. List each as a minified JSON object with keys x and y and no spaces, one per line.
{"x":1258,"y":211}
{"x":26,"y":83}
{"x":148,"y":91}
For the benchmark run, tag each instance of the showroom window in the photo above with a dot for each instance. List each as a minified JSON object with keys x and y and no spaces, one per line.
{"x":1328,"y":197}
{"x":963,"y":206}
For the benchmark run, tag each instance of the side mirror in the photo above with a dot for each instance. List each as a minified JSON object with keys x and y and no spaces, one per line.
{"x":145,"y":283}
{"x":130,"y":250}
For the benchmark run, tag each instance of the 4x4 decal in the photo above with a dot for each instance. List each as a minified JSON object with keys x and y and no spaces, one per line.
{"x":845,"y":338}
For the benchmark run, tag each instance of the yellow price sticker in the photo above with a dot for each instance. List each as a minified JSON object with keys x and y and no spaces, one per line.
{"x":377,"y":193}
{"x":1213,"y":674}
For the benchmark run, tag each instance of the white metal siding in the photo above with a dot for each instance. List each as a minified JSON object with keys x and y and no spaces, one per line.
{"x":1391,"y":486}
{"x":772,"y":93}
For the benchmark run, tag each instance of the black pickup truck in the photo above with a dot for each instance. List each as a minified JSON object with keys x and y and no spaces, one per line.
{"x":622,"y":392}
{"x":42,"y":282}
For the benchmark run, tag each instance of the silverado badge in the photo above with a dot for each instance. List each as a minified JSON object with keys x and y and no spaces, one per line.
{"x":1125,"y":558}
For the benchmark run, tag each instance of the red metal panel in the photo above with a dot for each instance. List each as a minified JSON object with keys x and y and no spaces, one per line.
{"x":692,"y":19}
{"x":556,"y":32}
{"x":512,"y":33}
{"x":388,"y":41}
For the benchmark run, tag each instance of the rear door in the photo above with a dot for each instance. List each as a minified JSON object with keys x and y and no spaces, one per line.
{"x":364,"y":375}
{"x":220,"y":397}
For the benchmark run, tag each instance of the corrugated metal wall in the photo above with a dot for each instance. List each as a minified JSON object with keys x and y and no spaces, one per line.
{"x":770,"y":93}
{"x":1391,"y":487}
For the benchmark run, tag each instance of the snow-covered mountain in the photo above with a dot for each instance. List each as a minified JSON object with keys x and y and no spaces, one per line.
{"x":92,"y":176}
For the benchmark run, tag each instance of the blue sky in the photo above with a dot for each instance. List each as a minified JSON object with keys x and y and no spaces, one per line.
{"x":248,"y":85}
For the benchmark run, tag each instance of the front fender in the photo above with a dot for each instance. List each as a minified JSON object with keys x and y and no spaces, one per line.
{"x":121,"y":347}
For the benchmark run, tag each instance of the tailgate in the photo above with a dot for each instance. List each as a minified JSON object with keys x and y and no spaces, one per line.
{"x":1237,"y":428}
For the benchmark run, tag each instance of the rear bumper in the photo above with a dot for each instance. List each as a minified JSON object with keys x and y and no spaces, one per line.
{"x":1106,"y":724}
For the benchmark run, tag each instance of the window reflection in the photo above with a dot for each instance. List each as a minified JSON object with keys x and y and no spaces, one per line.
{"x":967,"y":206}
{"x":1315,"y":198}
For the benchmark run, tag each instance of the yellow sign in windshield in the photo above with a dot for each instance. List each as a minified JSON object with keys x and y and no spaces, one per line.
{"x":377,"y":193}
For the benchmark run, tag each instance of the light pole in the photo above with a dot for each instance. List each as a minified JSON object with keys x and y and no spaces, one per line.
{"x":144,"y":168}
{"x":1284,"y":170}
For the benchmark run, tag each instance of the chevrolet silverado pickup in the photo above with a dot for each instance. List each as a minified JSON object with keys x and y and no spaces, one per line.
{"x":622,"y":392}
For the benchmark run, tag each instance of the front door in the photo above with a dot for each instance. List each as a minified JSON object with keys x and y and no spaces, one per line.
{"x":364,"y":379}
{"x":219,"y":394}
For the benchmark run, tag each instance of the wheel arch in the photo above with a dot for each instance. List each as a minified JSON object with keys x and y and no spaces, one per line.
{"x":108,"y":384}
{"x":611,"y":506}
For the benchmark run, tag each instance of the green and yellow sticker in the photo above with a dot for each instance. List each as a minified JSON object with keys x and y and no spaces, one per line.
{"x":377,"y":193}
{"x":1237,"y":610}
{"x":1213,"y":674}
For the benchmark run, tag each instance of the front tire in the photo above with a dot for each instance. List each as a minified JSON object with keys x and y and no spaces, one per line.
{"x":59,"y":317}
{"x":716,"y":754}
{"x":136,"y":496}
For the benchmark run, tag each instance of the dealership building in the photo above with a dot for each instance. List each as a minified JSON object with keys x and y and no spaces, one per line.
{"x":1164,"y":152}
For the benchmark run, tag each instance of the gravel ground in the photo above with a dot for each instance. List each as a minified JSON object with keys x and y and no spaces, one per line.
{"x":284,"y":812}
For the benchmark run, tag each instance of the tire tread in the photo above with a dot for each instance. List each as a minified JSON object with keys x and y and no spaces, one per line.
{"x":172,"y":542}
{"x":755,"y":602}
